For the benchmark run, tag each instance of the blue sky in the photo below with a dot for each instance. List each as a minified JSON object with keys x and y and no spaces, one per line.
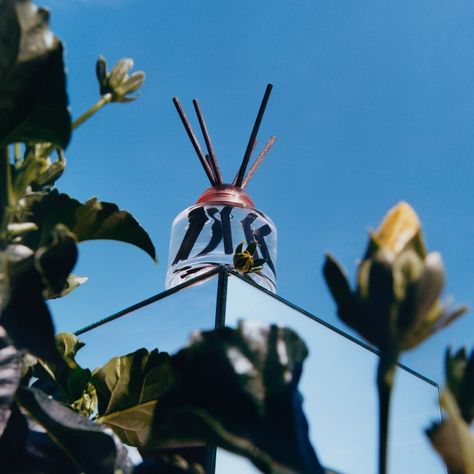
{"x":373,"y":103}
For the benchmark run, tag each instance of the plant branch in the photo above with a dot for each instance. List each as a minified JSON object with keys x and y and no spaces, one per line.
{"x":385,"y":376}
{"x":105,"y":99}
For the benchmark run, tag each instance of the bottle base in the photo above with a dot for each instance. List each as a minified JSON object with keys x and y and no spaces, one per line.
{"x":187,"y":272}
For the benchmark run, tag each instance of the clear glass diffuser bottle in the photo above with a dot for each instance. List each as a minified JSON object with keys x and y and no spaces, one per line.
{"x":206,"y":235}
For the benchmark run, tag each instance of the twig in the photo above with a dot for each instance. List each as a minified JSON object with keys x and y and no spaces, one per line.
{"x":251,"y":153}
{"x":258,"y":162}
{"x":105,"y":99}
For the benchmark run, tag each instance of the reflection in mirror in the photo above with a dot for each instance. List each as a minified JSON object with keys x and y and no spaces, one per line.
{"x":165,"y":324}
{"x":338,"y":386}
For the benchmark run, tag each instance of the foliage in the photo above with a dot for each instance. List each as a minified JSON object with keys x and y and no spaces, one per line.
{"x":128,"y":389}
{"x":255,"y":370}
{"x":395,"y":306}
{"x":396,"y":300}
{"x":244,"y":261}
{"x":56,"y":416}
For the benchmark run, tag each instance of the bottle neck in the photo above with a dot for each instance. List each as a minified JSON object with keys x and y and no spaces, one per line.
{"x":226,"y":194}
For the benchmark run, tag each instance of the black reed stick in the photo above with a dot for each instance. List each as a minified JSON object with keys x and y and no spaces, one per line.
{"x":194,"y":141}
{"x":253,"y":136}
{"x":251,"y":153}
{"x":258,"y":162}
{"x":211,"y":165}
{"x":212,"y":156}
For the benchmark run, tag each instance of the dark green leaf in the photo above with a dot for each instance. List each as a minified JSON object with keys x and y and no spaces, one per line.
{"x":374,"y":316}
{"x":68,"y":344}
{"x":128,"y":388}
{"x":168,"y":465}
{"x":460,"y":381}
{"x":252,"y":247}
{"x":56,"y":260}
{"x":24,"y":313}
{"x":26,"y":450}
{"x":33,"y":100}
{"x":89,"y":445}
{"x":239,"y":248}
{"x":337,"y":283}
{"x":89,"y":221}
{"x":72,"y":282}
{"x":10,"y":374}
{"x":238,"y":389}
{"x":452,"y":438}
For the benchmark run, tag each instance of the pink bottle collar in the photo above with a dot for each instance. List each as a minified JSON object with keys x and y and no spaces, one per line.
{"x":225,"y":194}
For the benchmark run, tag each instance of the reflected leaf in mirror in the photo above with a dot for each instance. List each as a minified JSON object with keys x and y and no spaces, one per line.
{"x":237,"y":389}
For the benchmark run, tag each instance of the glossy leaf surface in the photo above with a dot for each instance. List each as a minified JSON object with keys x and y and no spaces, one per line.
{"x":90,"y":446}
{"x":90,"y":221}
{"x":128,"y":388}
{"x":33,"y":100}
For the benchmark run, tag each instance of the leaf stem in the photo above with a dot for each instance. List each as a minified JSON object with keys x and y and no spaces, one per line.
{"x":6,"y":190}
{"x":385,"y":376}
{"x":105,"y":99}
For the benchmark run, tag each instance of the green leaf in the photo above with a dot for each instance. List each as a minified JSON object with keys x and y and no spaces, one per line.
{"x":237,"y":389}
{"x":71,"y":378}
{"x":10,"y":374}
{"x":68,"y":344}
{"x":168,"y":465}
{"x":452,"y":438}
{"x":26,"y":450}
{"x":128,"y":388}
{"x":72,"y":282}
{"x":89,"y":445}
{"x":23,"y":312}
{"x":66,"y":381}
{"x":33,"y":100}
{"x":337,"y":283}
{"x":89,"y":221}
{"x":459,"y":370}
{"x":56,"y":260}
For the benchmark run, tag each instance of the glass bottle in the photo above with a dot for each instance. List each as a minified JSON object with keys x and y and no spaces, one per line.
{"x":205,"y":235}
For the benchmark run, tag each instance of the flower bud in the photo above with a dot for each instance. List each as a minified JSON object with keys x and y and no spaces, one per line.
{"x":397,"y":298}
{"x":117,"y":82}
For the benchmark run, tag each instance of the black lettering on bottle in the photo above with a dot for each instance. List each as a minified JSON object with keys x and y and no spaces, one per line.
{"x":197,"y":218}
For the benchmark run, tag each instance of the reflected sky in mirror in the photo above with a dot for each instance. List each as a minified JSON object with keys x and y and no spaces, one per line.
{"x":338,"y":385}
{"x":165,"y":324}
